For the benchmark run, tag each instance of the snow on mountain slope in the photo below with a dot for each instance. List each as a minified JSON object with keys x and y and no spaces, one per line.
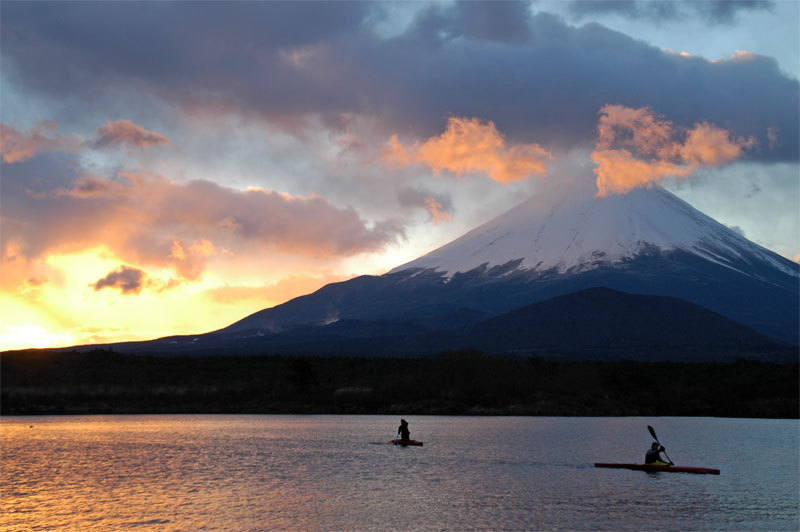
{"x":578,"y":232}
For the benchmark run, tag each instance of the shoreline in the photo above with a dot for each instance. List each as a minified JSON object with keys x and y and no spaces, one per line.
{"x":463,"y":383}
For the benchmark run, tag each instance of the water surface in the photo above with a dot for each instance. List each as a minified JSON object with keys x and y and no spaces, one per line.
{"x":337,"y":473}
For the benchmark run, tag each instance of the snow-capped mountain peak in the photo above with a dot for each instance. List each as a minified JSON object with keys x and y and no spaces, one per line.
{"x":579,"y":231}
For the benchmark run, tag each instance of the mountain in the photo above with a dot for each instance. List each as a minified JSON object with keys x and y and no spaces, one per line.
{"x":610,"y":323}
{"x":573,"y":233}
{"x":645,"y":242}
{"x":596,"y":323}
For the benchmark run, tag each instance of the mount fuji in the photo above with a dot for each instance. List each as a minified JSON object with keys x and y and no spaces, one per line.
{"x":647,"y":242}
{"x":575,"y":234}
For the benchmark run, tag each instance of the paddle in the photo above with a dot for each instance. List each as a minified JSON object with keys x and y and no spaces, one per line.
{"x":653,"y":433}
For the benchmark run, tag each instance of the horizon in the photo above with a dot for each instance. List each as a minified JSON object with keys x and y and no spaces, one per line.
{"x":262,"y":151}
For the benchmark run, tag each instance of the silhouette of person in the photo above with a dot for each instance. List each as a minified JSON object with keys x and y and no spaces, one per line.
{"x":403,"y":430}
{"x":653,"y":455}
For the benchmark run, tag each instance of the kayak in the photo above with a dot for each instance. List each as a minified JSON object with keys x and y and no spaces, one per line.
{"x":652,"y":468}
{"x":405,"y":442}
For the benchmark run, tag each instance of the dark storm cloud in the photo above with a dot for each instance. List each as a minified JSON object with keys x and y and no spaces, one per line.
{"x":635,"y":9}
{"x":537,"y":78}
{"x":128,"y":280}
{"x":483,"y":21}
{"x":712,"y":11}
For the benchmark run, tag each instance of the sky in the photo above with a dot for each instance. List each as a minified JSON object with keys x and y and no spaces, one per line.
{"x":169,"y":168}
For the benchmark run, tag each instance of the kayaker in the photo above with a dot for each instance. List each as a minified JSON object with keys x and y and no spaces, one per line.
{"x":403,"y":430}
{"x":653,"y":455}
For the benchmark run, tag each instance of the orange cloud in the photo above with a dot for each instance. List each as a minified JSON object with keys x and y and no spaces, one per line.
{"x":618,"y":171}
{"x":16,"y":147}
{"x":637,"y":128}
{"x":635,"y":148}
{"x":152,"y":222}
{"x":467,"y":146}
{"x":126,"y":132}
{"x":436,"y":210}
{"x":706,"y":145}
{"x":190,"y":260}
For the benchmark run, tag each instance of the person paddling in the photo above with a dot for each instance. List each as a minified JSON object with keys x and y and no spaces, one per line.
{"x":653,"y":455}
{"x":403,"y":431}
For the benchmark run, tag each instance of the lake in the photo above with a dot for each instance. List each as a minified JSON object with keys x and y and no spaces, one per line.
{"x":198,"y":472}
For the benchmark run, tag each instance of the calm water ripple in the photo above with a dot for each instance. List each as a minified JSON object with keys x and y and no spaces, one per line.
{"x":337,"y":473}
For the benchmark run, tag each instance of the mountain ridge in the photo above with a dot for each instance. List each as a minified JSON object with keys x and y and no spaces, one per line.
{"x":595,"y":323}
{"x":669,"y":248}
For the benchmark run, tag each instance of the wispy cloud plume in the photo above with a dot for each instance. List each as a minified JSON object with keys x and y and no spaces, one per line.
{"x":468,"y":146}
{"x":636,"y":148}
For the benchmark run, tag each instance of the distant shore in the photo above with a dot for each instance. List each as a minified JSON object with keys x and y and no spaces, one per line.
{"x":457,"y":383}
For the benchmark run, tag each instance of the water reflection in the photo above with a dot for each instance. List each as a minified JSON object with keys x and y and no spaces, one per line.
{"x":331,"y":473}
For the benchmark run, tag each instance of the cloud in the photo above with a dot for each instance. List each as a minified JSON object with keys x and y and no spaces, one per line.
{"x":128,"y":280}
{"x":707,"y":145}
{"x":439,"y":206}
{"x":16,"y":146}
{"x":92,"y":187}
{"x":153,"y":222}
{"x":618,"y":171}
{"x":437,"y":212}
{"x":469,"y":146}
{"x":189,"y":258}
{"x":712,"y":11}
{"x":737,"y":229}
{"x":636,"y":148}
{"x":481,"y":21}
{"x":772,"y":137}
{"x":727,"y":11}
{"x":126,"y":132}
{"x":545,"y":81}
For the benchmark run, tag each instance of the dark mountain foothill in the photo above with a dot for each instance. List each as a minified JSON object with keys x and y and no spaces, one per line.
{"x":599,"y":321}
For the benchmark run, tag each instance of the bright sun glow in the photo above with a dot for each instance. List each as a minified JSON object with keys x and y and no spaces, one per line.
{"x":63,"y":307}
{"x":27,"y":336}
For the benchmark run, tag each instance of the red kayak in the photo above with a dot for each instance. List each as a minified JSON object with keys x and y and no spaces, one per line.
{"x":652,"y":468}
{"x":405,"y":442}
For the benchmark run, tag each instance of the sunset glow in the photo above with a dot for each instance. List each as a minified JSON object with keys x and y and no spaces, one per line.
{"x":159,"y":182}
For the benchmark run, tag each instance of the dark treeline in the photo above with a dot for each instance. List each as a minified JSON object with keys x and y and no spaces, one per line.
{"x":462,"y":382}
